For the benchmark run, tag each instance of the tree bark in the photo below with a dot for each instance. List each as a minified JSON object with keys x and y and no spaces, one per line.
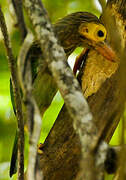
{"x":61,"y":151}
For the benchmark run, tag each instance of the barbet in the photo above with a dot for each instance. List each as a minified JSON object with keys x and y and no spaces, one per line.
{"x":80,"y":29}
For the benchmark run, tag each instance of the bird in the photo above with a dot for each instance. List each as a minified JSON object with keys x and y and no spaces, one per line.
{"x":79,"y":29}
{"x":83,"y":29}
{"x":94,"y":72}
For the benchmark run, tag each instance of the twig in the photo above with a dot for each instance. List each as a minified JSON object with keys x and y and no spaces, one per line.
{"x":103,"y":4}
{"x":17,"y":4}
{"x":33,"y":114}
{"x":15,"y":82}
{"x":68,"y":85}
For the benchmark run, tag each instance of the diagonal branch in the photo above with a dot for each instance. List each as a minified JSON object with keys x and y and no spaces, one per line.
{"x":17,"y":96}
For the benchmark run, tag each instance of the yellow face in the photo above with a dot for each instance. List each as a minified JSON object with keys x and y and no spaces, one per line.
{"x":92,"y":31}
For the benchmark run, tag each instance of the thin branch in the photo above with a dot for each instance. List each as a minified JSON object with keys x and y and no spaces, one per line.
{"x":103,"y":4}
{"x":121,"y":172}
{"x":17,"y":4}
{"x":67,"y":84}
{"x":33,"y":114}
{"x":15,"y":82}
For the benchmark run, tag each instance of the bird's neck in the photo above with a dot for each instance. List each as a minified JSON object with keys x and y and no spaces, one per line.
{"x":67,"y":38}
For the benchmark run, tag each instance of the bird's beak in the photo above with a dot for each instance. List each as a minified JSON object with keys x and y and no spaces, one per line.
{"x":106,"y":51}
{"x":102,"y":48}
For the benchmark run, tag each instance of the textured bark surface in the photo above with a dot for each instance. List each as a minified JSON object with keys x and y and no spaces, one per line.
{"x":61,"y":151}
{"x":107,"y":107}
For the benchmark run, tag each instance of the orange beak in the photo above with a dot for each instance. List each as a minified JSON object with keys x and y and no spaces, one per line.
{"x":106,"y":51}
{"x":102,"y":48}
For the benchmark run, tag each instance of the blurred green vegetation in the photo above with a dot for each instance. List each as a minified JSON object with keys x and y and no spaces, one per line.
{"x":56,"y":9}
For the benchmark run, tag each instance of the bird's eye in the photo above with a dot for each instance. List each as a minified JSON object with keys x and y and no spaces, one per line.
{"x":86,"y":30}
{"x":100,"y":33}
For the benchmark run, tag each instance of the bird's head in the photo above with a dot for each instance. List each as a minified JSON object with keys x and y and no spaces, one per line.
{"x":83,"y":29}
{"x":92,"y":32}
